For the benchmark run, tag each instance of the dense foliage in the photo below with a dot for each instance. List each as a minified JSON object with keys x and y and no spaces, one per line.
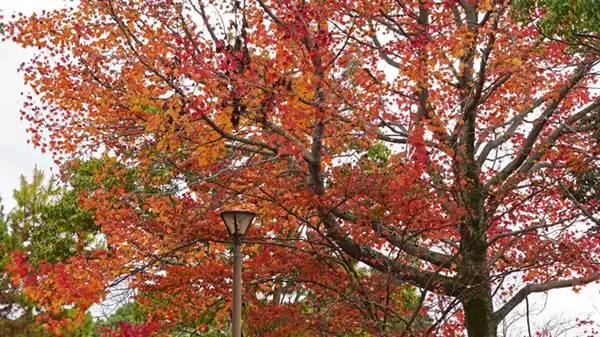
{"x":385,"y":145}
{"x":576,"y":22}
{"x":42,"y":225}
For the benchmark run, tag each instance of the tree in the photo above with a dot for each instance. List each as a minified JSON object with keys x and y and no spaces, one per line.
{"x":31,"y":227}
{"x":576,"y":22}
{"x":275,"y":106}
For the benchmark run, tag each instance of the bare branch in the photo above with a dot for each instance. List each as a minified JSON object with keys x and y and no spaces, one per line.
{"x":539,"y":288}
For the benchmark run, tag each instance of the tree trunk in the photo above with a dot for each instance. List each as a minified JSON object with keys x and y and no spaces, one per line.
{"x":477,"y":303}
{"x":479,"y":314}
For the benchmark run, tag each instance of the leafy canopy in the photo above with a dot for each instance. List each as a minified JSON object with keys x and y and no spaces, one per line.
{"x":42,"y":225}
{"x":385,"y":145}
{"x":575,"y":21}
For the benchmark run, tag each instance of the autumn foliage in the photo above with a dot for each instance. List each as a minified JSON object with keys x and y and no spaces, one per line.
{"x":384,"y":145}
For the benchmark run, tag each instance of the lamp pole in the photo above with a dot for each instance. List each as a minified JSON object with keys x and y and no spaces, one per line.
{"x":237,"y":223}
{"x":237,"y":287}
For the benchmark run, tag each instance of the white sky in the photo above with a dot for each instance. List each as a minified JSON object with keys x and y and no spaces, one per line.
{"x":17,"y":157}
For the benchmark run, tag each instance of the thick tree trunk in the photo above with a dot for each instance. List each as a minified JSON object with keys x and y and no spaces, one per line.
{"x":474,"y":272}
{"x":477,"y":303}
{"x":479,"y":314}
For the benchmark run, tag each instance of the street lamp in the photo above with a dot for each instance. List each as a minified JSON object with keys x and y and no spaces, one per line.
{"x":237,"y":223}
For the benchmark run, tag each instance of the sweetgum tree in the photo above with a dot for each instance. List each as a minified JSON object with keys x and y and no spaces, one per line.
{"x":385,"y":145}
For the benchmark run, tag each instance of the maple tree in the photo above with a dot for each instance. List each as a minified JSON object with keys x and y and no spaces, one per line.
{"x":436,"y":143}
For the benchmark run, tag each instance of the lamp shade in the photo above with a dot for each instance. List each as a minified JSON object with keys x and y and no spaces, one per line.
{"x":237,"y":222}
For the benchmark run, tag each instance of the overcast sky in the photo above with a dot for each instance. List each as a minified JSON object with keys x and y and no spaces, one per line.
{"x":17,"y":157}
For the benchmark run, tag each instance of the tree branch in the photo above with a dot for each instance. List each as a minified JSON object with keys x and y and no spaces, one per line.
{"x":525,"y":151}
{"x":428,"y":280}
{"x":538,"y":288}
{"x":437,"y":259}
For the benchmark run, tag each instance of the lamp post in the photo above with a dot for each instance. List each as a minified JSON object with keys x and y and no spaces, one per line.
{"x":237,"y":223}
